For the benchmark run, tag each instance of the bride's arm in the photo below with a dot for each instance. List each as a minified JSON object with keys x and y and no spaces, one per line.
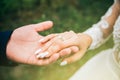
{"x":99,"y":32}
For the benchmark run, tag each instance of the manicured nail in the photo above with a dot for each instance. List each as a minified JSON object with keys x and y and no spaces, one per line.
{"x":41,"y":40}
{"x":42,"y":55}
{"x":63,"y":63}
{"x":39,"y":50}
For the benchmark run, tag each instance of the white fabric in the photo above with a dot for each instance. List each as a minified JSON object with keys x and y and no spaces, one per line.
{"x":96,"y":33}
{"x":108,"y":13}
{"x":100,"y":67}
{"x":116,"y":1}
{"x":97,"y":39}
{"x":116,"y":36}
{"x":105,"y":65}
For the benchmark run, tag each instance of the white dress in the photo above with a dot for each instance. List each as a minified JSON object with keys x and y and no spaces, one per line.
{"x":105,"y":65}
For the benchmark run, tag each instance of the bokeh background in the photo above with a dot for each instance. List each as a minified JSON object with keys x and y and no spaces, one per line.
{"x":76,"y":15}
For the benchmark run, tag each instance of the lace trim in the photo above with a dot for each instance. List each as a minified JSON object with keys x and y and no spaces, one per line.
{"x":96,"y":33}
{"x":116,"y":36}
{"x":116,"y":31}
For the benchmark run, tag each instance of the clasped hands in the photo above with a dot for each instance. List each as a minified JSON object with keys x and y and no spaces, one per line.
{"x":63,"y":44}
{"x":27,"y":46}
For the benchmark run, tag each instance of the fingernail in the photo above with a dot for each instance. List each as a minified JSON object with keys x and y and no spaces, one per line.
{"x":39,"y":50}
{"x":63,"y":63}
{"x":41,"y":40}
{"x":42,"y":55}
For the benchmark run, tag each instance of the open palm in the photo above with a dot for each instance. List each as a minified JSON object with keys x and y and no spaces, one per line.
{"x":24,"y":42}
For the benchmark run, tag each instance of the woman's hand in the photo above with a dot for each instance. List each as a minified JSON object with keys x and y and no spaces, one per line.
{"x":54,"y":43}
{"x":84,"y":43}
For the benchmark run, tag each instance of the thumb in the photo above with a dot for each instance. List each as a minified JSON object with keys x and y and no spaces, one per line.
{"x":43,"y":26}
{"x":73,"y":58}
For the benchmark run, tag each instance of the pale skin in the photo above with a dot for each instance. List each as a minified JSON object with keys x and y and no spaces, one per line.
{"x":53,"y":43}
{"x":24,"y":41}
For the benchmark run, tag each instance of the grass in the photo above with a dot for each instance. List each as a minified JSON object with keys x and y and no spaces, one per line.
{"x":65,"y":19}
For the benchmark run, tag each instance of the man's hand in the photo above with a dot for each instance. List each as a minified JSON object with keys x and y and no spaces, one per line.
{"x":24,"y":42}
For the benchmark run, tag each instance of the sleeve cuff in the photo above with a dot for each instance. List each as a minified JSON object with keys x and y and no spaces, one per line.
{"x":4,"y":38}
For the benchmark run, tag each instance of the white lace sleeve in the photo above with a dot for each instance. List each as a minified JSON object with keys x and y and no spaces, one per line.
{"x":96,"y":33}
{"x":116,"y":36}
{"x":97,"y":36}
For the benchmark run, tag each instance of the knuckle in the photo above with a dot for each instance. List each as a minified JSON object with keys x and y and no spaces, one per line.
{"x":54,"y":48}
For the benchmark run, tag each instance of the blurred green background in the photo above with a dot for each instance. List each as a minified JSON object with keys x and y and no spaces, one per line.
{"x":76,"y":15}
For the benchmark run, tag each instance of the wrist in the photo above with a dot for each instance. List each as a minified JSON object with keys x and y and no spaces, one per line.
{"x":85,"y":37}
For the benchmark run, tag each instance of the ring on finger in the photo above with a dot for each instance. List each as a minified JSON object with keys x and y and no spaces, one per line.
{"x":61,"y":38}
